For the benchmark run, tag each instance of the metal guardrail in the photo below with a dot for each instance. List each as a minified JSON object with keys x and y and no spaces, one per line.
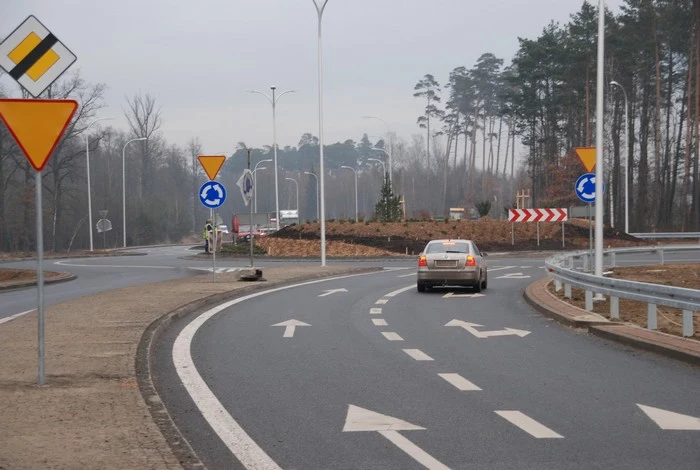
{"x":562,"y":269}
{"x":657,"y":235}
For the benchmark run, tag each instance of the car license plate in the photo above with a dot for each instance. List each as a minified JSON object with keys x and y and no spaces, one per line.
{"x":445,"y":263}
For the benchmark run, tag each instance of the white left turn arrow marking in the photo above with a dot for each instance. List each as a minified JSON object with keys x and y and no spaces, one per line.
{"x":332,"y":291}
{"x":449,"y":295}
{"x":669,"y":420}
{"x":472,"y":328}
{"x":359,"y":419}
{"x":290,"y":327}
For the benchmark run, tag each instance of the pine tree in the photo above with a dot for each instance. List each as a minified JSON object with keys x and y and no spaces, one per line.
{"x":388,"y":209}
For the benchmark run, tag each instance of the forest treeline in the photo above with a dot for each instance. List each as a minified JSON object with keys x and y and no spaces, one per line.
{"x":490,"y":129}
{"x":544,"y":100}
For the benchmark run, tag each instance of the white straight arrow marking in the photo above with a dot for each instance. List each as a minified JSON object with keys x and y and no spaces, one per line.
{"x":290,"y":327}
{"x":471,"y":328}
{"x":332,"y":291}
{"x":669,"y":420}
{"x":529,"y":425}
{"x":360,"y":419}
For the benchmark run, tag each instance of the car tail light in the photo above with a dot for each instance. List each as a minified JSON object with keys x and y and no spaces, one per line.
{"x":471,"y":261}
{"x":423,"y":261}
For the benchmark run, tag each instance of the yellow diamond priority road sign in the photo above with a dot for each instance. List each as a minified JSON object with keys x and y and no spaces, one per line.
{"x":34,"y":57}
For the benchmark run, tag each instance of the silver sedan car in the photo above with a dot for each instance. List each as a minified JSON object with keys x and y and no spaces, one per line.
{"x":452,"y":263}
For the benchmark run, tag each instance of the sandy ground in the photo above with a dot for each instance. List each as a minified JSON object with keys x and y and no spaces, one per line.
{"x":670,"y":320}
{"x":90,"y":413}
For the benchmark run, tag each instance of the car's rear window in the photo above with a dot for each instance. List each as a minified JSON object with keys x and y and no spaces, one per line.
{"x":447,"y":247}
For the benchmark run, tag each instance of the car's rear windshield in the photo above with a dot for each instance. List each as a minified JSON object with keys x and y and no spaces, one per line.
{"x":448,"y":247}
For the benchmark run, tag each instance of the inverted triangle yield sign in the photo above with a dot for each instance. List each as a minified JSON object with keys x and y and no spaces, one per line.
{"x":37,"y":125}
{"x":211,"y":164}
{"x":587,"y":156}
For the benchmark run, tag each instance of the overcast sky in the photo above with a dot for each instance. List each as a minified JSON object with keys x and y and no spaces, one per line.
{"x":198,"y":58}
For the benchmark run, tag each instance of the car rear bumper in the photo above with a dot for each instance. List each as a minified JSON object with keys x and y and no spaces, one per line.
{"x":446,"y":277}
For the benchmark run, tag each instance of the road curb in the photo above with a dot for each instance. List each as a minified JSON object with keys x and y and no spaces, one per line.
{"x":59,"y":277}
{"x":656,"y":342}
{"x":144,"y":364}
{"x":615,"y":333}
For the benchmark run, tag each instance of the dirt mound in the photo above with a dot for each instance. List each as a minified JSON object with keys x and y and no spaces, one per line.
{"x":490,"y":235}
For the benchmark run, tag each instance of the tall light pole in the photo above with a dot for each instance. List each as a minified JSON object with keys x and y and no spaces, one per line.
{"x":273,"y":101}
{"x":354,"y":171}
{"x":627,"y":158}
{"x":320,"y":7}
{"x":600,"y":110}
{"x":124,"y":185}
{"x":388,"y":130}
{"x":255,"y":183}
{"x":388,"y":155}
{"x":383,"y":167}
{"x":87,"y":166}
{"x":316,"y":178}
{"x":297,"y":186}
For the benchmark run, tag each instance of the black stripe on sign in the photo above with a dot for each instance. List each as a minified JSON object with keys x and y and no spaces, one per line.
{"x":32,"y":58}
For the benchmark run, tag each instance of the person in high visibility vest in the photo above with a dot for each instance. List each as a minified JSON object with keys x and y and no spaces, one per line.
{"x":208,"y":233}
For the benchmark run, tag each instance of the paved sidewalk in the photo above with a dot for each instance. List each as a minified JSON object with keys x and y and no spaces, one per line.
{"x":90,"y":413}
{"x":541,"y":299}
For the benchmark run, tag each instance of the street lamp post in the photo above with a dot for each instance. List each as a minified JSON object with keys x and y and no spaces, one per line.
{"x":273,"y":101}
{"x":87,"y":166}
{"x":627,"y":158}
{"x":320,"y":7}
{"x":316,"y":178}
{"x":599,"y":170}
{"x":388,"y":129}
{"x":355,"y":172}
{"x":388,"y":155}
{"x":297,"y":186}
{"x":255,"y":183}
{"x":383,"y":166}
{"x":124,"y":184}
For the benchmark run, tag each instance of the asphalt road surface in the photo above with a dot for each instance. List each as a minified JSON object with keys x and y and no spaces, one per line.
{"x":364,"y":372}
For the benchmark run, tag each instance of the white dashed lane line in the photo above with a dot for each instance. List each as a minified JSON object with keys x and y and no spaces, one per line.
{"x":460,"y":382}
{"x":375,"y":311}
{"x":381,"y":301}
{"x":418,"y":355}
{"x":529,"y":425}
{"x":379,"y":322}
{"x":391,"y":336}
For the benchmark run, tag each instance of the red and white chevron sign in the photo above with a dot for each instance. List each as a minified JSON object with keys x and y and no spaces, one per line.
{"x":538,"y":215}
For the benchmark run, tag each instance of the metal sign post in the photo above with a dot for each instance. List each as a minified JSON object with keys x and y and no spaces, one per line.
{"x":250,"y":229}
{"x":40,"y":278}
{"x":213,"y":247}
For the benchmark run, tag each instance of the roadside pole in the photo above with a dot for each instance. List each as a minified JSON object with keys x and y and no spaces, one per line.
{"x":512,"y":234}
{"x":590,"y":233}
{"x":538,"y":233}
{"x":40,"y":276}
{"x":563,"y":243}
{"x":250,"y":226}
{"x":212,"y":243}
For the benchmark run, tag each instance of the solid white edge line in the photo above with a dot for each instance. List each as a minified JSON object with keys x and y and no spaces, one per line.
{"x":16,"y":315}
{"x":460,"y":383}
{"x":224,"y":425}
{"x":407,"y":275}
{"x":529,"y":425}
{"x":418,"y":355}
{"x":379,"y":322}
{"x":392,"y":336}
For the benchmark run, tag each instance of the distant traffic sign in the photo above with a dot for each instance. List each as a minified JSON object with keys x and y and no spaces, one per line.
{"x":587,"y":155}
{"x":212,"y":194}
{"x":245,"y":183}
{"x":211,"y":164}
{"x":538,"y":215}
{"x":34,"y":57}
{"x":585,"y":188}
{"x":37,"y":125}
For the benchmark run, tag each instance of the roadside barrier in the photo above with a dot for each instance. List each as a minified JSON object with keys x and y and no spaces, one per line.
{"x":563,"y":269}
